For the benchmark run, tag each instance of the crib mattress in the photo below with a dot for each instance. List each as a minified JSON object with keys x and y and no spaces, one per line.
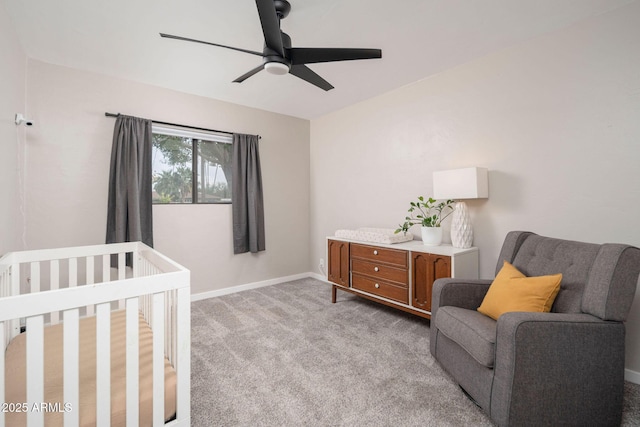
{"x":15,"y":374}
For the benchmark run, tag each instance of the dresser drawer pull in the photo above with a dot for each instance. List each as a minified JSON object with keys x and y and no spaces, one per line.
{"x":376,"y":269}
{"x":376,"y":286}
{"x":375,"y":252}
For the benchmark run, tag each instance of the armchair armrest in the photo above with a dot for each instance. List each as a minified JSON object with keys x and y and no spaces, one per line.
{"x":464,"y":293}
{"x":540,"y":354}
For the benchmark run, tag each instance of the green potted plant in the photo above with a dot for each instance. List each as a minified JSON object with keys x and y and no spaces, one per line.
{"x":429,"y":214}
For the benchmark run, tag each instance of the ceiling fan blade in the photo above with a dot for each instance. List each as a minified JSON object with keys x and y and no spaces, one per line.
{"x":310,"y":55}
{"x":305,"y":73}
{"x":270,"y":25}
{"x":169,"y":36}
{"x":248,"y":74}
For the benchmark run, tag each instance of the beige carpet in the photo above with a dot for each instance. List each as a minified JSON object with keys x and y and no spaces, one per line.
{"x":283,"y":355}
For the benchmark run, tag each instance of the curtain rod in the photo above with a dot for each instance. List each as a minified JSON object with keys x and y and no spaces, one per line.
{"x":178,"y":125}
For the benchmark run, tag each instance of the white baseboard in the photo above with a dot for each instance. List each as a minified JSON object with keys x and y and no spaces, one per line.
{"x":632,"y":376}
{"x":254,"y":285}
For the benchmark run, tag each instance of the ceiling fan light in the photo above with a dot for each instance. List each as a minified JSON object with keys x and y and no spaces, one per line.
{"x":277,"y":68}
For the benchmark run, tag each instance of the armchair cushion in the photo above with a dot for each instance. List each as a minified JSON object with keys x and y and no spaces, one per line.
{"x":513,"y":291}
{"x":473,"y":331}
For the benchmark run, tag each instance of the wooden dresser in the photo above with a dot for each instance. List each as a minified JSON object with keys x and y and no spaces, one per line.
{"x":399,"y":275}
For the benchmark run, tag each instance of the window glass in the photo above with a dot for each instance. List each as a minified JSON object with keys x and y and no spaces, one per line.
{"x":214,"y":172}
{"x":180,"y":177}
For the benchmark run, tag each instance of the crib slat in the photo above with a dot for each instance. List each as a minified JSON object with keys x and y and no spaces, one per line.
{"x":122,"y":265}
{"x":135,"y":260}
{"x":169,"y":328}
{"x":4,"y":284}
{"x":103,"y":365}
{"x":55,"y":283}
{"x":35,"y":277}
{"x":71,"y":357}
{"x":35,"y":373}
{"x":73,"y":272}
{"x":90,"y":270}
{"x":5,"y":291}
{"x":106,"y":268}
{"x":132,"y":361}
{"x":89,"y":279}
{"x":158,"y":358}
{"x":15,"y":290}
{"x":15,"y":280}
{"x":122,"y":269}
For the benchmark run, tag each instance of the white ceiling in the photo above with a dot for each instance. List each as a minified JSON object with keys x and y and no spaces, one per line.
{"x":418,"y":38}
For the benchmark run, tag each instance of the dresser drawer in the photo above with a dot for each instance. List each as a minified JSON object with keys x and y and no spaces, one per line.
{"x":373,"y":253}
{"x":379,"y":271}
{"x":380,"y":288}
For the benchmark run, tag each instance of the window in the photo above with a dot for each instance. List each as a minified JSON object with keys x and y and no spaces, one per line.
{"x":190,"y":167}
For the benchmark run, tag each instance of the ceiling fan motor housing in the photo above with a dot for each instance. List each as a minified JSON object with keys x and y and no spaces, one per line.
{"x":272,"y":60}
{"x":283,"y":7}
{"x":286,"y":43}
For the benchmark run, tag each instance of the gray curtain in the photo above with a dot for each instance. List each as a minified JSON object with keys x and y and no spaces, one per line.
{"x":247,"y":203}
{"x":129,"y":216}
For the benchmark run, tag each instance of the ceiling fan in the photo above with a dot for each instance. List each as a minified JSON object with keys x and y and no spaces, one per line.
{"x":278,"y":57}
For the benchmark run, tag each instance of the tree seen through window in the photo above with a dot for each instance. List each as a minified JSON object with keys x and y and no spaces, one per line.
{"x":181,"y":177}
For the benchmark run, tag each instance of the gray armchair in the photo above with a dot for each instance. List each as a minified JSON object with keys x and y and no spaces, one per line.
{"x":560,"y":368}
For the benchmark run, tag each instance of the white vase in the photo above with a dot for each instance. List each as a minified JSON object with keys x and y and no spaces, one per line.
{"x":431,"y":236}
{"x":461,"y":230}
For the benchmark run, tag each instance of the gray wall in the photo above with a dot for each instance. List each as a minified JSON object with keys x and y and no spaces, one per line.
{"x":556,"y":120}
{"x":68,"y":168}
{"x":12,"y":101}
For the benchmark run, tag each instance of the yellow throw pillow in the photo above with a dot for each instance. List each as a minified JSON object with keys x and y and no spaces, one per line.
{"x":513,"y":291}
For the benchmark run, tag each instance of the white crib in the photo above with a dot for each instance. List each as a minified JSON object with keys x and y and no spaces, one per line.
{"x":65,"y":287}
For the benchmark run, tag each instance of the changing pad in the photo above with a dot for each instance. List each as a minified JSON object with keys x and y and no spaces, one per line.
{"x":376,"y":235}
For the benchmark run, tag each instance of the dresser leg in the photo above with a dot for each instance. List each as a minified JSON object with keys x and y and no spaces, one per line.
{"x":334,"y":290}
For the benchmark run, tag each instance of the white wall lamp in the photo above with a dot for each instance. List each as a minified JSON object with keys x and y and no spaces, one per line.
{"x":456,"y":184}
